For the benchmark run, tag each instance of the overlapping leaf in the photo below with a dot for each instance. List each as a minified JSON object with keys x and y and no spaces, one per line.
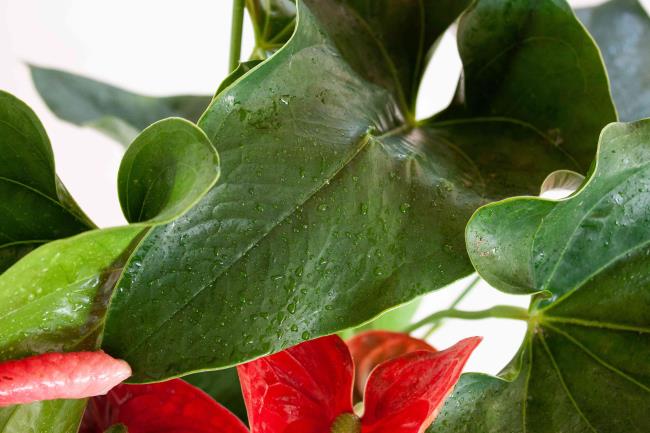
{"x":55,"y":298}
{"x":584,"y":364}
{"x":119,"y":113}
{"x":622,"y":30}
{"x":35,"y":208}
{"x":335,"y":205}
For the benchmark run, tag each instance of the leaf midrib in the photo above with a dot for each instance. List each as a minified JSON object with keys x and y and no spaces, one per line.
{"x":571,"y":239}
{"x":361,"y":144}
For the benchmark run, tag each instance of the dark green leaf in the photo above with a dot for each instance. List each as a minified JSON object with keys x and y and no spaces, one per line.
{"x":165,"y":171}
{"x":332,"y":207}
{"x":273,"y":24}
{"x":223,"y":386}
{"x":622,"y":30}
{"x":563,"y":91}
{"x":584,"y":364}
{"x":116,"y":112}
{"x":35,"y":208}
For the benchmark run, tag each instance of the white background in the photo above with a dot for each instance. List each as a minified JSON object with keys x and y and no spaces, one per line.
{"x":162,"y":47}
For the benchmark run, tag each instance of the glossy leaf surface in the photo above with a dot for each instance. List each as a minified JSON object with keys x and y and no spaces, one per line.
{"x":55,"y":298}
{"x":165,"y":171}
{"x":57,"y":416}
{"x":332,"y":207}
{"x":622,"y":30}
{"x":172,"y":406}
{"x":118,"y":113}
{"x":35,"y":208}
{"x":583,"y":366}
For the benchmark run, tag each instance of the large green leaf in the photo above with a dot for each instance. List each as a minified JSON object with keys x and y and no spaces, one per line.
{"x":55,"y":298}
{"x":116,"y":112}
{"x":35,"y":208}
{"x":622,"y":30}
{"x":332,"y":206}
{"x":584,"y":364}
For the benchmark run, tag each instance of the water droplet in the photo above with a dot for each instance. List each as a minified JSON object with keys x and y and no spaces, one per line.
{"x":404,"y":207}
{"x":363,"y":208}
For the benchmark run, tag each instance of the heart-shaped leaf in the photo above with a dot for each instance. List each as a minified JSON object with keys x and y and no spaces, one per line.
{"x":584,"y":364}
{"x":35,"y":208}
{"x":55,"y":298}
{"x":334,"y":206}
{"x":118,"y":113}
{"x":622,"y":30}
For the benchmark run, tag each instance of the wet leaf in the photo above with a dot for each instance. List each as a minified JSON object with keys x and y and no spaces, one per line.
{"x":583,"y":365}
{"x":55,"y":297}
{"x":35,"y":208}
{"x":165,"y":171}
{"x":334,"y":204}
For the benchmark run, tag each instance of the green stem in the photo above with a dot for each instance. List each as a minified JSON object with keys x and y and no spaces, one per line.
{"x":496,"y":312}
{"x":236,"y":33}
{"x":435,"y":325}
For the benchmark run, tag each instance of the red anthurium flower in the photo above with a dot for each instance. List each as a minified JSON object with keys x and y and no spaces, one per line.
{"x":308,"y":389}
{"x":371,"y":348}
{"x":174,"y":406}
{"x":59,"y":375}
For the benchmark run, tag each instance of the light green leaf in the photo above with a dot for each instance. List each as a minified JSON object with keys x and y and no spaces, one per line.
{"x":165,"y":171}
{"x":54,"y":416}
{"x":35,"y":208}
{"x":583,"y":366}
{"x":333,"y":207}
{"x":116,"y":112}
{"x":622,"y":30}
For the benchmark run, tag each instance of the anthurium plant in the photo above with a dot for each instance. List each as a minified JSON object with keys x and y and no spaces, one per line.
{"x":305,"y":199}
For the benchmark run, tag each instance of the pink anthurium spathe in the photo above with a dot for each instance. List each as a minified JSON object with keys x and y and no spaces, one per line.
{"x":59,"y":375}
{"x":173,"y":406}
{"x":371,"y":348}
{"x":308,"y":389}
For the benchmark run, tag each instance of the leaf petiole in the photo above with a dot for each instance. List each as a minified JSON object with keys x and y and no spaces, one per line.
{"x":435,"y":325}
{"x":236,"y":30}
{"x":496,"y":312}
